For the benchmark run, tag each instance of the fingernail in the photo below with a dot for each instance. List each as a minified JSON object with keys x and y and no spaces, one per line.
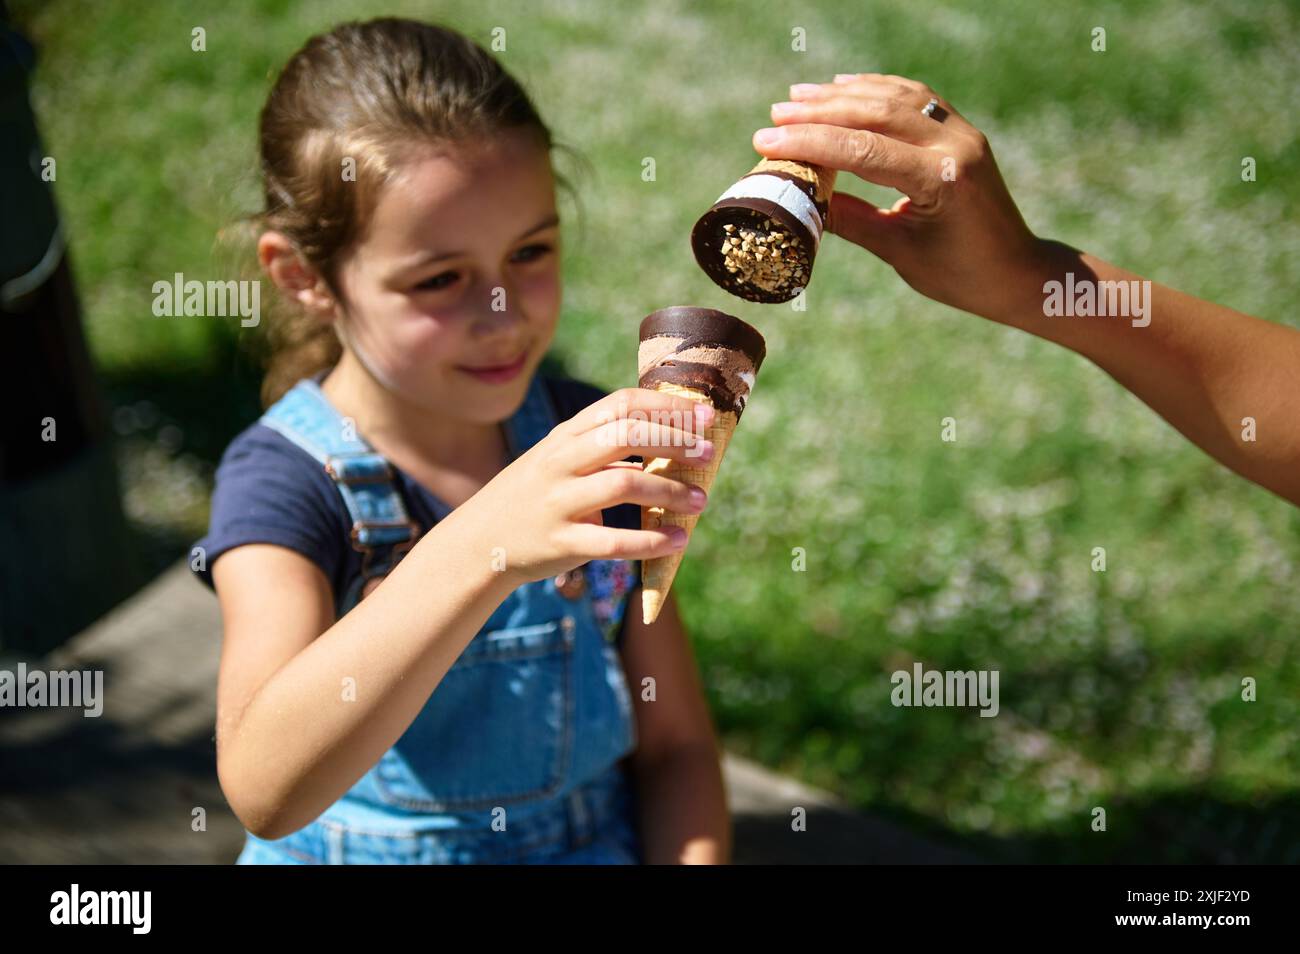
{"x":780,"y":110}
{"x":705,"y":449}
{"x":704,"y":413}
{"x":677,"y":537}
{"x":803,"y":89}
{"x":698,"y":498}
{"x":769,"y":137}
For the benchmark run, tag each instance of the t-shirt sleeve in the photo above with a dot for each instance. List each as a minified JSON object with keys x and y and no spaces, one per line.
{"x":268,"y":490}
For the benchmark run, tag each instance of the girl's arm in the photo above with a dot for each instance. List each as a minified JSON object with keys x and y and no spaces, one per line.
{"x":957,"y":237}
{"x":305,"y":708}
{"x":289,"y":740}
{"x":677,"y":767}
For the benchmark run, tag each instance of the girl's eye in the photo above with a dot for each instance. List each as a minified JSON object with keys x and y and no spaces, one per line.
{"x":439,"y":281}
{"x":530,"y":253}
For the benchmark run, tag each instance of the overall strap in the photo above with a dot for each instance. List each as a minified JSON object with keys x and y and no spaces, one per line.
{"x":381,"y":528}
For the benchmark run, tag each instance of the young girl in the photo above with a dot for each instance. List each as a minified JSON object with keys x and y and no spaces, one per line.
{"x":424,"y":549}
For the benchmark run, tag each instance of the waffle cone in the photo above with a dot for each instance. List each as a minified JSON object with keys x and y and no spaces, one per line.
{"x":657,"y":574}
{"x":821,"y":178}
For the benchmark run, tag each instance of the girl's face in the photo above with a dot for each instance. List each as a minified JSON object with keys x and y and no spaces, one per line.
{"x":452,"y":296}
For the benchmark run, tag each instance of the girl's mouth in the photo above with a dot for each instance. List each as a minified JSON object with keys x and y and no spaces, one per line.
{"x":497,"y":374}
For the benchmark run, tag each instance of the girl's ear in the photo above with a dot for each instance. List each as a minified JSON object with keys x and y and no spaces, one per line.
{"x":293,"y":275}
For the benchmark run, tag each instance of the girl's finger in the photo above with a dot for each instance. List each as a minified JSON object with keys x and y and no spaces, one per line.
{"x":889,"y":115}
{"x":912,"y":170}
{"x":654,"y":435}
{"x":625,"y":401}
{"x":616,"y":543}
{"x":615,"y":486}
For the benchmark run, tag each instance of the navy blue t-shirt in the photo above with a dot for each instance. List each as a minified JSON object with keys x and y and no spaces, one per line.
{"x":270,"y":490}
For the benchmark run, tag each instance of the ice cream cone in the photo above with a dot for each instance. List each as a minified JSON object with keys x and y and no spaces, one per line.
{"x":760,"y":239}
{"x":706,"y":356}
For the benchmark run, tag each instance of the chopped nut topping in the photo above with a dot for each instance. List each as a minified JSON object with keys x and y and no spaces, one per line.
{"x":767,"y":257}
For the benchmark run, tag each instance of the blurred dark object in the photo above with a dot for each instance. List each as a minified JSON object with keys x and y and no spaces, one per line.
{"x":68,"y":552}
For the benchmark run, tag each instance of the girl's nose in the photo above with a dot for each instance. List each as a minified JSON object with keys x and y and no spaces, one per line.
{"x":498,"y":312}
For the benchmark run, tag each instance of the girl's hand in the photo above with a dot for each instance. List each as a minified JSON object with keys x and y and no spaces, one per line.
{"x":956,"y":235}
{"x":543,"y":510}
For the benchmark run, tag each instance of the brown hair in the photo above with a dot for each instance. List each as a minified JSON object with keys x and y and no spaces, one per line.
{"x":364,"y":91}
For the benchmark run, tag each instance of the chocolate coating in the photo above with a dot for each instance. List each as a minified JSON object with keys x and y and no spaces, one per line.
{"x":697,"y":376}
{"x":706,"y":326}
{"x":703,"y":349}
{"x":708,"y":234}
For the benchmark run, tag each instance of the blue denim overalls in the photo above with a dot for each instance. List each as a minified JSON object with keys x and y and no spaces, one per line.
{"x":513,"y":759}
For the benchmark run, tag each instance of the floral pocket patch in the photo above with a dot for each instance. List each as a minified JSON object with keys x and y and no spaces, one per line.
{"x":609,"y":582}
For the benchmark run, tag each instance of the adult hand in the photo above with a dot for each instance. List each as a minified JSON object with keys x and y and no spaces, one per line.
{"x":956,"y":235}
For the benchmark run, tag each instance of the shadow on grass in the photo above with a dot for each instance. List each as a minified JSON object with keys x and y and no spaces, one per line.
{"x":1175,"y":828}
{"x":194,"y":410}
{"x":1206,"y":817}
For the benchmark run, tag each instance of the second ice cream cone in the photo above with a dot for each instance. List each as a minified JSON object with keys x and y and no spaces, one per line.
{"x":760,"y":239}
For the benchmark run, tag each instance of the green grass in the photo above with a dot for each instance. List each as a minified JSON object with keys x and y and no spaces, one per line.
{"x":1119,"y":689}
